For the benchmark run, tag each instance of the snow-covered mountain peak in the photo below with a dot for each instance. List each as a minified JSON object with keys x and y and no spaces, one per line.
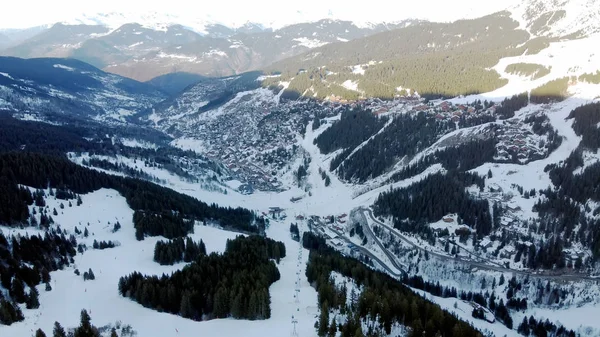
{"x":558,"y":18}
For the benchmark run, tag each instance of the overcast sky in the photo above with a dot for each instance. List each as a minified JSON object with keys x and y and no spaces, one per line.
{"x":28,"y":13}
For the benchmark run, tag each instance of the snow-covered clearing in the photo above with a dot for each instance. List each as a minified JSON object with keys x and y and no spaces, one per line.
{"x":350,"y":85}
{"x":137,"y":143}
{"x":310,"y":43}
{"x":575,"y":318}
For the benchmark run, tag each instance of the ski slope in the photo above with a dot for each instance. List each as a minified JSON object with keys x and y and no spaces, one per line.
{"x":100,"y":297}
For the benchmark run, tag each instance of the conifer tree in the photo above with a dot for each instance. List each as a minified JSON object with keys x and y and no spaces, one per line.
{"x":86,"y":329}
{"x":58,"y":331}
{"x":323,"y":320}
{"x":33,"y":301}
{"x":40,"y":333}
{"x":332,"y":329}
{"x":18,"y":290}
{"x":9,"y":312}
{"x":186,"y":310}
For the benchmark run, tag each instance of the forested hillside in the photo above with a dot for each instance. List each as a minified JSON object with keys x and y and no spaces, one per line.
{"x":434,"y":59}
{"x":40,"y":171}
{"x":574,"y":196}
{"x":432,"y":198}
{"x":383,"y":300}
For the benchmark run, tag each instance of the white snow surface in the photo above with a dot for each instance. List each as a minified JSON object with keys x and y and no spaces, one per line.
{"x":309,"y":43}
{"x":62,"y":66}
{"x":6,"y":75}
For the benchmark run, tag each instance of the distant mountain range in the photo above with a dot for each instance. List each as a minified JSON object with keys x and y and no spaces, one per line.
{"x":321,"y":58}
{"x":142,"y":53}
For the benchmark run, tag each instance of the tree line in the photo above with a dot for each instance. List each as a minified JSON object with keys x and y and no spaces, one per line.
{"x":533,"y":70}
{"x":85,"y":329}
{"x":233,"y":284}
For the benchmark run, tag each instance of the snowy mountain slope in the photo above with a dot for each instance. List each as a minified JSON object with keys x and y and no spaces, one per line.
{"x":53,"y":87}
{"x":558,"y":18}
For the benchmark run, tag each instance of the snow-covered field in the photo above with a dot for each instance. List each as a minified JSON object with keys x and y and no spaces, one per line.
{"x":70,"y":294}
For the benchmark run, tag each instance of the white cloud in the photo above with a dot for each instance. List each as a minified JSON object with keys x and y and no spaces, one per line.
{"x":28,"y":13}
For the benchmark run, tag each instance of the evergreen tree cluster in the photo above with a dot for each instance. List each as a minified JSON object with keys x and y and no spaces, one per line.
{"x":45,"y":254}
{"x":177,"y":250}
{"x":120,"y":167}
{"x":533,"y":70}
{"x":406,"y":135}
{"x":354,"y":127}
{"x":384,"y":300}
{"x":103,"y":244}
{"x":533,"y":327}
{"x":509,"y":106}
{"x":164,"y":224}
{"x":9,"y":312}
{"x":432,"y":198}
{"x":28,"y":260}
{"x":586,"y":118}
{"x":234,"y":284}
{"x":39,"y":171}
{"x":89,"y":275}
{"x":593,"y":78}
{"x":18,"y":135}
{"x":85,"y":329}
{"x":463,"y":157}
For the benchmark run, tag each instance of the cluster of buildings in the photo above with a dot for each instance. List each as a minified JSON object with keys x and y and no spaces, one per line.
{"x":454,"y":112}
{"x":256,"y":139}
{"x":515,"y":139}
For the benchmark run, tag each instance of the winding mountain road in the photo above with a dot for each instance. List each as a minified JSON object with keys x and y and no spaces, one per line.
{"x":480,"y":265}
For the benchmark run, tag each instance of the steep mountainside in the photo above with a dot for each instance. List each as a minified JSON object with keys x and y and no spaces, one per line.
{"x":54,"y":89}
